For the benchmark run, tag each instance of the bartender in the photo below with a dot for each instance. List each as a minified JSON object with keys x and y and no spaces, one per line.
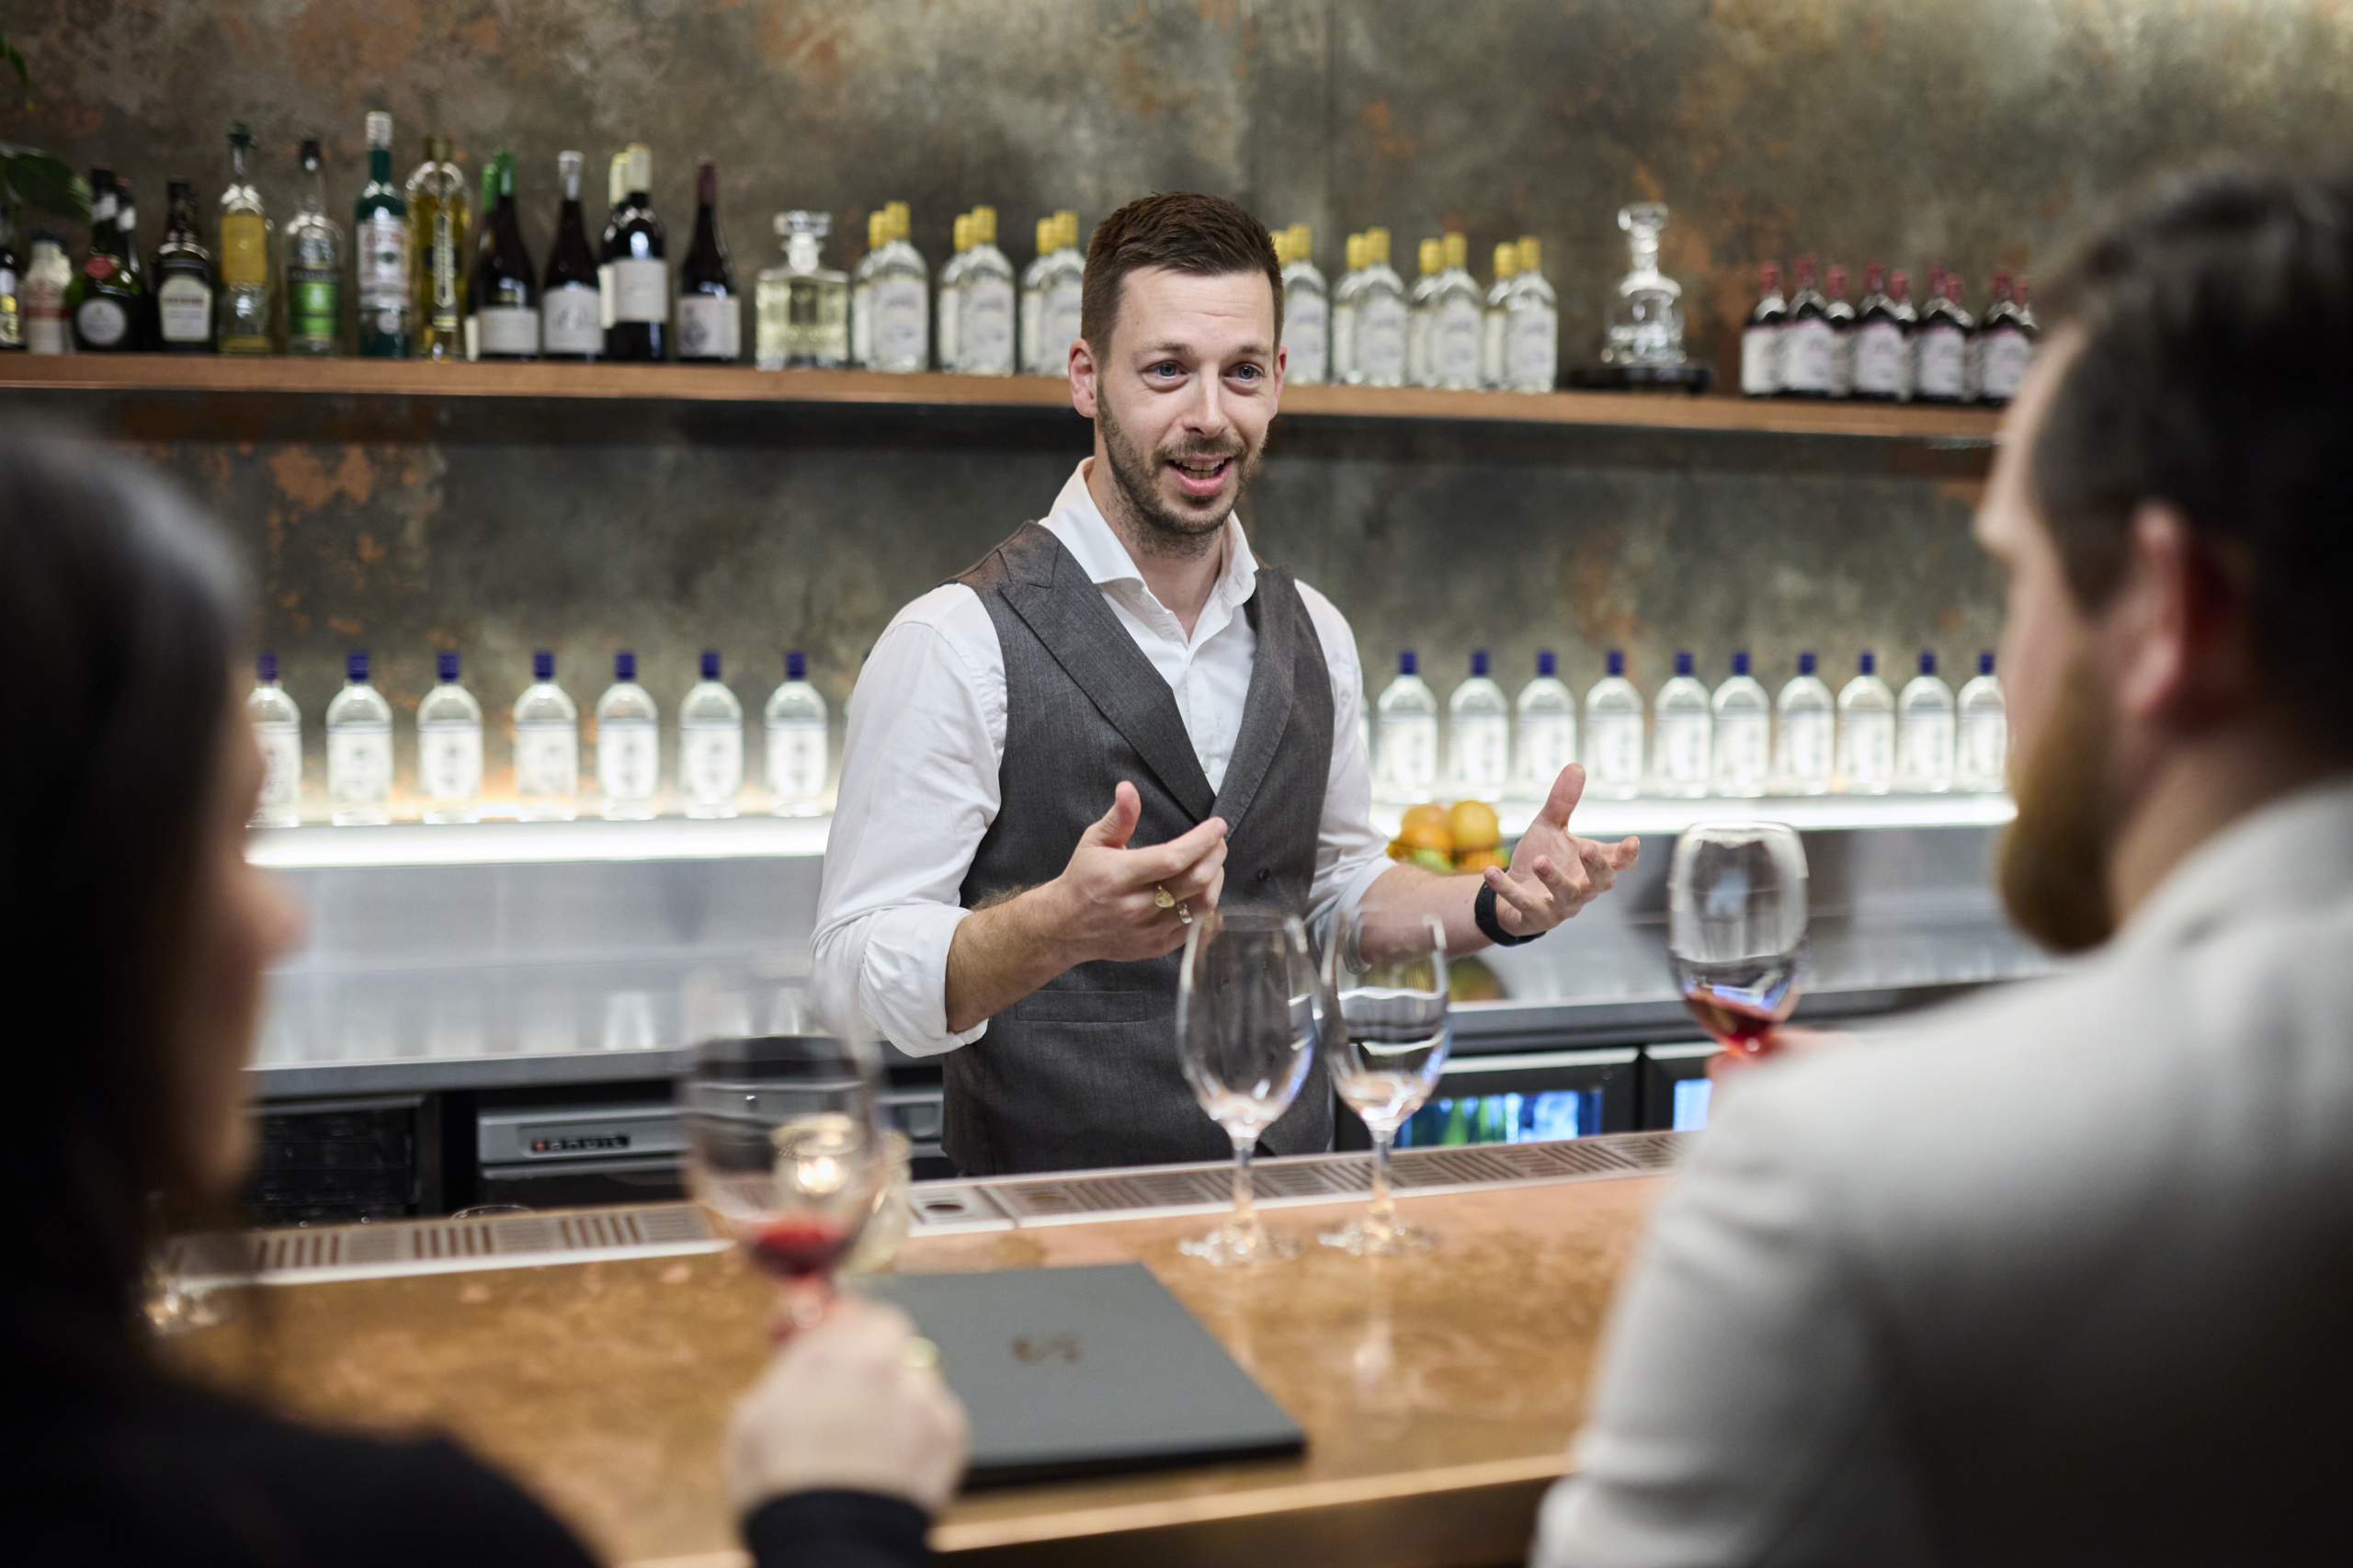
{"x":1119,"y":718}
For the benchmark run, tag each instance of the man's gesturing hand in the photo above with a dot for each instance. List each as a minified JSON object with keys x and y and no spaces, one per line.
{"x":1554,"y":873}
{"x":1107,"y":893}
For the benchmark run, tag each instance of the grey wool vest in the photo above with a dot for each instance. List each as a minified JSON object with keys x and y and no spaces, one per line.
{"x":1083,"y":1071}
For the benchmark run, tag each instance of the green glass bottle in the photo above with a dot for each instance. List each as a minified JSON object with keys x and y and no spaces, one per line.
{"x":313,"y":267}
{"x":105,"y":299}
{"x":380,"y":248}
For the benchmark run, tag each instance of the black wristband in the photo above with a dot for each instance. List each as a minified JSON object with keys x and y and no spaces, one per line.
{"x":1482,"y":911}
{"x":837,"y":1528}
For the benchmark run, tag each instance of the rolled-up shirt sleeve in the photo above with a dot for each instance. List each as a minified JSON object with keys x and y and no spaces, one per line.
{"x":1350,"y":853}
{"x":919,"y":790}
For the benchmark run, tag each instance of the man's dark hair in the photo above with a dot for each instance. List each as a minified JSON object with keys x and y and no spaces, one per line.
{"x":2215,"y":372}
{"x":1184,"y":231}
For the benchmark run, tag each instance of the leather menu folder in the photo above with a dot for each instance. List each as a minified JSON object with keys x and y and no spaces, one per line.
{"x":1086,"y":1371}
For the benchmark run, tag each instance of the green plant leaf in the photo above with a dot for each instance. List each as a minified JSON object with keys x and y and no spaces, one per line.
{"x":45,"y":182}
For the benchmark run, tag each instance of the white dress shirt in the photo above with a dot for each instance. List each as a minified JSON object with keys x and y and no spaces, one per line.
{"x":926,"y":735}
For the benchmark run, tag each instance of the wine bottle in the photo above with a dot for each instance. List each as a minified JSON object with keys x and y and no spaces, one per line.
{"x":710,"y":313}
{"x":314,"y":269}
{"x":100,"y":301}
{"x":440,"y":224}
{"x":185,"y":281}
{"x":503,"y":297}
{"x":1808,"y":340}
{"x":144,"y":334}
{"x":1878,"y":342}
{"x":379,"y":242}
{"x":572,"y":324}
{"x":633,"y":281}
{"x":1760,"y":339}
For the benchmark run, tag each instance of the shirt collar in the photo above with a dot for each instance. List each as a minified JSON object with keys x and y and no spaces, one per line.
{"x":1080,"y":524}
{"x":2296,"y":851}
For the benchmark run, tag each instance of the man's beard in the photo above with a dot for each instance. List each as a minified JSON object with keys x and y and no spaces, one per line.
{"x":1165,"y":530}
{"x":2054,"y":860}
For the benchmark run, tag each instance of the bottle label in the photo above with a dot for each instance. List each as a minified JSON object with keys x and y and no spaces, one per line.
{"x":1805,"y":748}
{"x":1344,"y":342}
{"x":383,"y":267}
{"x":1744,"y":743}
{"x":1760,"y":361}
{"x":1940,"y":371}
{"x":629,"y":753}
{"x":245,"y":251}
{"x":359,"y":763}
{"x":1924,"y":745}
{"x":634,"y":289}
{"x":1548,"y":743}
{"x":951,"y":330}
{"x":900,"y":317}
{"x":797,"y":762}
{"x":1983,"y":750}
{"x":281,"y":763}
{"x":711,"y":762}
{"x":1454,"y":344}
{"x":98,"y":267}
{"x":547,"y":759}
{"x":1869,"y":741}
{"x":45,"y":314}
{"x":1879,"y":360}
{"x":2005,"y":356}
{"x":1408,"y":755}
{"x":986,"y":325}
{"x":1306,"y":338}
{"x":572,"y":320}
{"x":1805,"y":357}
{"x":1381,"y":341}
{"x":861,"y":333}
{"x":504,"y":332}
{"x":1616,"y":756}
{"x":1481,"y":751}
{"x":1058,"y":327}
{"x":101,"y":322}
{"x":313,"y":304}
{"x":184,"y":308}
{"x":1532,"y":355}
{"x":1683,"y":748}
{"x":1494,"y":329}
{"x":448,"y":761}
{"x":711,"y":326}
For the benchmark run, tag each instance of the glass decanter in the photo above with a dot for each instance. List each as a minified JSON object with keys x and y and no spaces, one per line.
{"x":1646,"y":313}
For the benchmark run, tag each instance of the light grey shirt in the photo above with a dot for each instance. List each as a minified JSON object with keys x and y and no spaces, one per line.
{"x":2063,"y":1274}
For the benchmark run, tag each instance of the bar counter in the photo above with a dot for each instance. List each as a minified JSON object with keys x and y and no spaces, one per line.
{"x":1438,"y":1393}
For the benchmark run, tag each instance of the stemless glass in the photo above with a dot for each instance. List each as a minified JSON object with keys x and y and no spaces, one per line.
{"x":1385,"y":1047}
{"x":787,"y":1153}
{"x":1248,"y":1005}
{"x":1735,"y":927}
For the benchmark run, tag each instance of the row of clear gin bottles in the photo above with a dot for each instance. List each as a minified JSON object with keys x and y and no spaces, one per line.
{"x":628,"y":783}
{"x":1737,"y":739}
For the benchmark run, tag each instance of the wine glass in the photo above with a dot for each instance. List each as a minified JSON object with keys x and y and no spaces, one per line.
{"x":1248,"y":1005}
{"x":1735,"y":927}
{"x":787,"y":1153}
{"x":1386,"y":1046}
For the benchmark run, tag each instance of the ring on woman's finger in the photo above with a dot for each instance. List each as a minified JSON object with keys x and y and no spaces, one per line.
{"x":1184,"y":913}
{"x":1161,"y":898}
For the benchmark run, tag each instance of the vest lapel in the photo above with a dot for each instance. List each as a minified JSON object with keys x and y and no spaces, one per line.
{"x":1266,"y":710}
{"x":1066,"y":611}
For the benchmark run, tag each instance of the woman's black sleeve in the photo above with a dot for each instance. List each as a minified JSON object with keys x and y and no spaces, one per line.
{"x":838,"y":1529}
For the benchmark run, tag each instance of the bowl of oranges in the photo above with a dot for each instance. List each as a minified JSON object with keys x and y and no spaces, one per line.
{"x":1464,"y":837}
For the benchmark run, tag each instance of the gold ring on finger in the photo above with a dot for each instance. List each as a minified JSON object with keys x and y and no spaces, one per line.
{"x":1184,"y":914}
{"x":1161,"y":898}
{"x":921,"y":1354}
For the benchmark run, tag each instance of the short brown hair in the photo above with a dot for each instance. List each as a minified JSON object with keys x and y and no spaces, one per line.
{"x":1183,"y":231}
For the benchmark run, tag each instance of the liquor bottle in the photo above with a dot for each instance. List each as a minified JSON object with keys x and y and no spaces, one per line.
{"x":951,"y":293}
{"x":1841,"y":316}
{"x":313,"y":267}
{"x":1033,"y":294}
{"x":185,"y":279}
{"x":710,"y":313}
{"x":1307,"y":313}
{"x":804,"y":305}
{"x":1744,"y":732}
{"x":1495,"y":319}
{"x":12,"y":283}
{"x":1760,"y":339}
{"x":1548,"y":730}
{"x":1878,"y":342}
{"x":1682,"y":725}
{"x":1344,"y":311}
{"x":710,"y":745}
{"x":1406,"y":737}
{"x":629,"y":739}
{"x":1806,"y":338}
{"x":572,"y":322}
{"x":898,"y":297}
{"x":359,"y":749}
{"x":1981,"y":748}
{"x":1532,"y":343}
{"x":1805,"y":754}
{"x":249,"y":297}
{"x":1924,"y":731}
{"x":861,"y":295}
{"x":483,"y":246}
{"x":503,"y":296}
{"x":984,"y":311}
{"x":441,"y":231}
{"x":1613,"y":734}
{"x":380,"y":246}
{"x":448,"y":747}
{"x":1478,"y":736}
{"x":1380,"y":317}
{"x":1063,"y":298}
{"x":1866,"y":732}
{"x":47,"y":277}
{"x":1908,"y":323}
{"x":795,"y":717}
{"x":1645,"y":325}
{"x":103,"y":299}
{"x":143,"y":312}
{"x":547,"y":746}
{"x":2004,"y":344}
{"x":1940,"y":347}
{"x":278,"y":726}
{"x":1420,"y":301}
{"x":632,"y":279}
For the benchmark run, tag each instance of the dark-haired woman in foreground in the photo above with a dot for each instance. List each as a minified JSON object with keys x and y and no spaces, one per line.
{"x":131,"y":984}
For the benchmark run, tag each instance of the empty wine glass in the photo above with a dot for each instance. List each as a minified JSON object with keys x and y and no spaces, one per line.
{"x":1248,"y":1005}
{"x":1385,"y":1047}
{"x":1735,"y":927}
{"x":787,"y":1153}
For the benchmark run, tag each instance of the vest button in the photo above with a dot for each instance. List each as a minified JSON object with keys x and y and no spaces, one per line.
{"x":1266,"y":873}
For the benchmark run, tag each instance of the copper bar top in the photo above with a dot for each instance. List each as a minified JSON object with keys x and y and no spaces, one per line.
{"x":1438,"y":1393}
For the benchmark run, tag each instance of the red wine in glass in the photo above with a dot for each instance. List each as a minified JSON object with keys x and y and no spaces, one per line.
{"x":1738,"y":1003}
{"x":798,"y":1247}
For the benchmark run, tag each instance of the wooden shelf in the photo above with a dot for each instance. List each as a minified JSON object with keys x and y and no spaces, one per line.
{"x":211,"y":376}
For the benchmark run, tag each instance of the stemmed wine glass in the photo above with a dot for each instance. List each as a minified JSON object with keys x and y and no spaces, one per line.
{"x":1386,"y":1046}
{"x":787,"y":1153}
{"x":1248,"y":1005}
{"x":1735,"y":927}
